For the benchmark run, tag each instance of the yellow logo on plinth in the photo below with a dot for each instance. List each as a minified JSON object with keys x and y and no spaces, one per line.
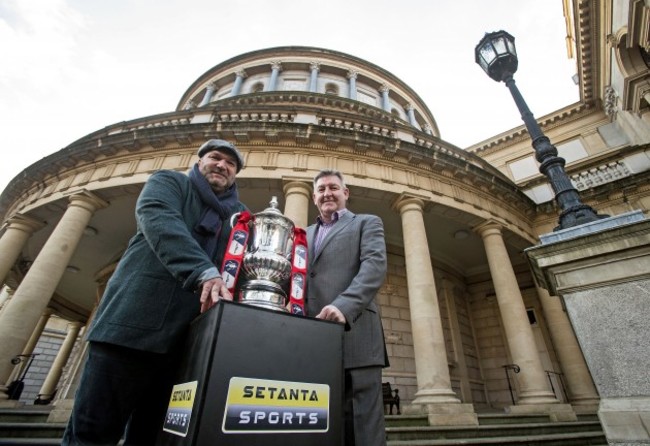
{"x":268,"y":406}
{"x":179,"y":412}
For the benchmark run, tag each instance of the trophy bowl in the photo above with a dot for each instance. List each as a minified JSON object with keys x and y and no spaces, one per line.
{"x":266,"y":266}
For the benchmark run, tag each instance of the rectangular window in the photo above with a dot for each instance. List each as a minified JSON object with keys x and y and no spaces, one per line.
{"x":367,"y":97}
{"x":294,"y":84}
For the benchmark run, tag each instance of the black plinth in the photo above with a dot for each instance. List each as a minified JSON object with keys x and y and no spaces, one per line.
{"x":252,"y":376}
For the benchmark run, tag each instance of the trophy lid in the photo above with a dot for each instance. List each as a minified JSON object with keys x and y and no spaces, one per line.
{"x":274,"y":213}
{"x":273,"y":206}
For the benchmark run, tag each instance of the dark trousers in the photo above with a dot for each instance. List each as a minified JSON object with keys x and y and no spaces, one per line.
{"x":122,"y":392}
{"x":364,"y":408}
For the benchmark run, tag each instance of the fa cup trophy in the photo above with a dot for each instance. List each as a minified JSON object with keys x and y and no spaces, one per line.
{"x":274,"y":261}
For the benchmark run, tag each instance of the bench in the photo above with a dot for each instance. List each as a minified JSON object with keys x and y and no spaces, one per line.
{"x":391,"y":398}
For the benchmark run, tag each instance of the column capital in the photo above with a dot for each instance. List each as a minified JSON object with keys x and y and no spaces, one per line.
{"x":241,"y":73}
{"x":74,"y":325}
{"x":87,"y":200}
{"x":276,"y":65}
{"x":487,"y":227}
{"x":384,"y":88}
{"x":212,"y":86}
{"x":47,"y":312}
{"x":352,"y":74}
{"x":297,"y":186}
{"x":409,"y":201}
{"x":408,"y":106}
{"x":24,"y":223}
{"x":314,"y":66}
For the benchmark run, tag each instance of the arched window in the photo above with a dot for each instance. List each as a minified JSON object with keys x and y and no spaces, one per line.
{"x":257,"y":87}
{"x":395,"y":113}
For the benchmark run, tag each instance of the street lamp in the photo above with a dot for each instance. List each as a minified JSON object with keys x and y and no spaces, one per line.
{"x":496,"y":54}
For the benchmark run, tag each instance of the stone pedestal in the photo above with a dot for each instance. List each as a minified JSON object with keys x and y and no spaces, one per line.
{"x":601,"y":271}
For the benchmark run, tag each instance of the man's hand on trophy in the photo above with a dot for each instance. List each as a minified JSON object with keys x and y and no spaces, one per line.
{"x":212,"y":291}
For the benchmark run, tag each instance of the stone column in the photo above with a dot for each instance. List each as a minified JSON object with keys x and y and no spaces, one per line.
{"x":385,"y":101}
{"x":581,"y":389}
{"x":31,"y":345}
{"x":434,"y":396}
{"x":410,"y":112}
{"x":48,"y":388}
{"x":19,"y":229}
{"x":535,"y":393}
{"x":239,"y":80}
{"x":313,"y":80}
{"x":297,"y":197}
{"x":352,"y":78}
{"x":209,"y":92}
{"x":20,"y":317}
{"x":275,"y":71}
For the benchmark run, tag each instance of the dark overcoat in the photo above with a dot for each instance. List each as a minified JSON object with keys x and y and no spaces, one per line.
{"x":152,"y":296}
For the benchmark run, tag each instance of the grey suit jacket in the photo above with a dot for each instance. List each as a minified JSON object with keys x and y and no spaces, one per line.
{"x":347,"y":272}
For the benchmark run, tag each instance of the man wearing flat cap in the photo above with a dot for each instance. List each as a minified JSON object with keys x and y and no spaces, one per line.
{"x":168,"y":275}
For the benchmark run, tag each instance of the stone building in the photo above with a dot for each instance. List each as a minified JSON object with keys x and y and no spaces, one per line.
{"x":466,"y":326}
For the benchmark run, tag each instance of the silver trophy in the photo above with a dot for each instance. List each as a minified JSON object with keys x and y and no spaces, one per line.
{"x":266,"y":267}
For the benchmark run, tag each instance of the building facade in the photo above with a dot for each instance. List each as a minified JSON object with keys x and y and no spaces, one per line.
{"x":466,"y":326}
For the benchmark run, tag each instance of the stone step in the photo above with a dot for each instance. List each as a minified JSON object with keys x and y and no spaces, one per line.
{"x":520,"y":429}
{"x":483,"y":419}
{"x":406,"y":420}
{"x":30,"y":441}
{"x":26,"y":426}
{"x":31,"y":430}
{"x":566,"y":439}
{"x":24,"y":415}
{"x":506,"y":418}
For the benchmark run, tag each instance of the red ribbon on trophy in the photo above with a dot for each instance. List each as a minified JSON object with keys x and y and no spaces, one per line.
{"x":298,"y":284}
{"x":237,"y":243}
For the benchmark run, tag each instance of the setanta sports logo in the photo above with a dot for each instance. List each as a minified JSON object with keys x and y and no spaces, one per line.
{"x":179,"y":412}
{"x":267,"y":406}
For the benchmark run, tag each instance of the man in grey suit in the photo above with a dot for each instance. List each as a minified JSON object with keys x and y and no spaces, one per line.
{"x":347,"y":266}
{"x":166,"y":278}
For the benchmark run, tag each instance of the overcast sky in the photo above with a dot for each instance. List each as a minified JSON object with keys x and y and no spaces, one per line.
{"x":71,"y":67}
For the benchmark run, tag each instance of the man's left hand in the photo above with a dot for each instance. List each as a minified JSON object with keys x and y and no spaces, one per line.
{"x":331,"y":313}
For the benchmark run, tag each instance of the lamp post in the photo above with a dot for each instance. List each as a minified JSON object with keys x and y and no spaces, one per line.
{"x":496,"y":54}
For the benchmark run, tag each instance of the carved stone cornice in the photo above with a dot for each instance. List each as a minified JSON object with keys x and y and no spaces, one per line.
{"x":519,"y":134}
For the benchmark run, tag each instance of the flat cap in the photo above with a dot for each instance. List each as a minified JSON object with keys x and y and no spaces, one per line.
{"x":222,"y":144}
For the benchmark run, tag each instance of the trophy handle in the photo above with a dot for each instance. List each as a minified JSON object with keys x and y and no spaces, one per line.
{"x":233,"y":219}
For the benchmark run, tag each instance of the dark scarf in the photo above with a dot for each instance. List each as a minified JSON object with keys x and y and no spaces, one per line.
{"x":217,"y":210}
